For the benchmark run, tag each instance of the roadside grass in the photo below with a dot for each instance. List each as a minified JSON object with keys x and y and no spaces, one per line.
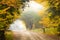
{"x":9,"y":35}
{"x":49,"y":31}
{"x":39,"y":30}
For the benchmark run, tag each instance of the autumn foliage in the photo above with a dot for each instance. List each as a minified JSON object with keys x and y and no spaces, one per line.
{"x":8,"y":12}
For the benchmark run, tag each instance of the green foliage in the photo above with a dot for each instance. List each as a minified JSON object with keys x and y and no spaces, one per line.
{"x":7,"y":15}
{"x":0,"y":0}
{"x":55,"y":9}
{"x":51,"y":31}
{"x":2,"y":6}
{"x":9,"y":35}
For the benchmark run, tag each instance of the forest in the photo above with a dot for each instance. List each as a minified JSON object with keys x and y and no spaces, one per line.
{"x":29,"y":19}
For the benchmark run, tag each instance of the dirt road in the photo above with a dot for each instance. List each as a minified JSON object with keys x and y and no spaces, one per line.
{"x":28,"y":35}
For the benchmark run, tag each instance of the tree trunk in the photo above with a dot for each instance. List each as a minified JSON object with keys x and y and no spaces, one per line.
{"x":2,"y":34}
{"x":43,"y":30}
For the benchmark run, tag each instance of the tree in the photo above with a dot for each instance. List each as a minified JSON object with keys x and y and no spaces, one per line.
{"x":9,"y":11}
{"x":55,"y":10}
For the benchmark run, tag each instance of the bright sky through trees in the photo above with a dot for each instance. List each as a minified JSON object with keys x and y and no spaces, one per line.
{"x":33,"y":6}
{"x":17,"y":25}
